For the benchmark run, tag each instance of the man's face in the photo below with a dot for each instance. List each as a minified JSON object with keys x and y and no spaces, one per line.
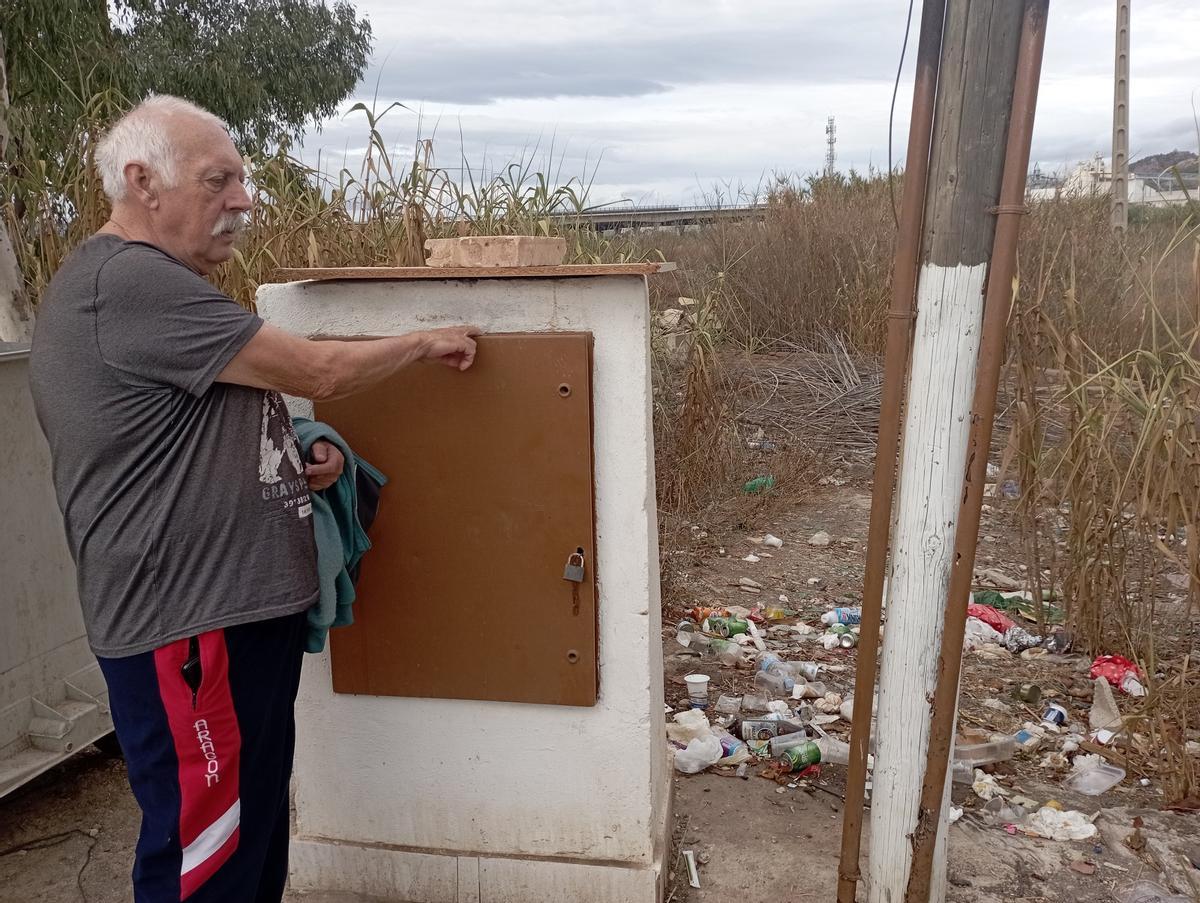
{"x":202,"y":215}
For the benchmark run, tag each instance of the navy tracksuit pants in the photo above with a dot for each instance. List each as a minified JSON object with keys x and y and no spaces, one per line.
{"x":207,"y":728}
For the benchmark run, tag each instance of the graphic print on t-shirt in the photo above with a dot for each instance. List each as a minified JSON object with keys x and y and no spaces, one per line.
{"x":280,"y":467}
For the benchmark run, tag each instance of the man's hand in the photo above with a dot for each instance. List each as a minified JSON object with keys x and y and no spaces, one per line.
{"x":452,"y":346}
{"x":326,"y":466}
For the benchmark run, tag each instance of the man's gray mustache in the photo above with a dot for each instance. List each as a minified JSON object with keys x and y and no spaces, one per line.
{"x":235,"y":223}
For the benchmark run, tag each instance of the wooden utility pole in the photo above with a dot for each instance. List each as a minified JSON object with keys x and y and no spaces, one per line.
{"x":1120,"y":141}
{"x":974,"y":97}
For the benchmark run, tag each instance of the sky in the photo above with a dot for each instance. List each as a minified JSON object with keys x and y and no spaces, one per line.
{"x":675,"y":101}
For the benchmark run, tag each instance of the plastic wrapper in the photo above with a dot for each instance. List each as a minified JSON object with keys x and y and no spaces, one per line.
{"x":699,"y":754}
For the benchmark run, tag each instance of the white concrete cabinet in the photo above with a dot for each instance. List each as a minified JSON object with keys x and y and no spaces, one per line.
{"x":469,"y":801}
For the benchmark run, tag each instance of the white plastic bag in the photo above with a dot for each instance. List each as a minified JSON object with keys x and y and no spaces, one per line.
{"x":1055,"y":824}
{"x":688,"y":725}
{"x":979,"y":634}
{"x":699,"y":754}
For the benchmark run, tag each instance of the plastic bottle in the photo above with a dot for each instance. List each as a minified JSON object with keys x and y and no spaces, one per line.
{"x":733,"y":749}
{"x":777,"y":745}
{"x":774,"y":682}
{"x":842,"y":616}
{"x":807,"y":670}
{"x":759,"y":484}
{"x":728,"y":652}
{"x":833,"y":751}
{"x":767,"y":660}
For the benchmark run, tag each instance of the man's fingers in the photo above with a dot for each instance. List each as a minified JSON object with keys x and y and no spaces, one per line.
{"x":320,"y":452}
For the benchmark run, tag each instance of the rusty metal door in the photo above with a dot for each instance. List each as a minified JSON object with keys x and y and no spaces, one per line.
{"x":490,"y":493}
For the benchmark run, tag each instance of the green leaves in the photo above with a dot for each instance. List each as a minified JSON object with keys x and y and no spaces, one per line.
{"x":270,"y":68}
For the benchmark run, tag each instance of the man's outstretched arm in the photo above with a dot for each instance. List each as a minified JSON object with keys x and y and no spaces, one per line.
{"x":324,"y":369}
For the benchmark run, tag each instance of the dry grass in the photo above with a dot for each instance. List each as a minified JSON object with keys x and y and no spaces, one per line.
{"x":1104,"y":377}
{"x":381,"y":213}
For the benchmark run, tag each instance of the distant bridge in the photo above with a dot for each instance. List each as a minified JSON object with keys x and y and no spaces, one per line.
{"x":634,"y":217}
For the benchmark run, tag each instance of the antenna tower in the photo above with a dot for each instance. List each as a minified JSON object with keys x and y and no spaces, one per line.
{"x":831,"y":146}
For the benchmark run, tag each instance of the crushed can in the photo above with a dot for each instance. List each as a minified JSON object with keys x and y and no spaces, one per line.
{"x":766,"y":728}
{"x":727,"y":627}
{"x":798,"y":758}
{"x":1030,"y":693}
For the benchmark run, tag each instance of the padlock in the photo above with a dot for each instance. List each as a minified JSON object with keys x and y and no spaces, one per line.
{"x":574,"y":569}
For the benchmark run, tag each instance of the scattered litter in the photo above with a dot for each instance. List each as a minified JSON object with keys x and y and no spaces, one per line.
{"x":846,"y":712}
{"x":978,"y":633}
{"x":1135,"y":840}
{"x":748,"y":583}
{"x":1018,"y":639}
{"x":729,"y":705}
{"x":689,"y":725}
{"x":1083,"y":867}
{"x":985,"y":786}
{"x":998,"y":811}
{"x":759,"y":485}
{"x":842,"y":616}
{"x":752,"y":558}
{"x":1055,"y":714}
{"x":733,"y":750}
{"x":1104,"y":715}
{"x":1057,"y":824}
{"x":956,"y":812}
{"x":1094,"y":778}
{"x":976,"y":754}
{"x":1030,"y":736}
{"x":820,"y":539}
{"x":752,"y":702}
{"x":1030,"y":693}
{"x":1147,"y":892}
{"x":1120,"y":672}
{"x":773,"y":541}
{"x":999,"y":622}
{"x":689,"y":858}
{"x":699,"y":754}
{"x":829,"y":704}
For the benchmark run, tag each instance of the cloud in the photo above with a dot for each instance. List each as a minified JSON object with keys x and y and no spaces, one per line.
{"x":635,"y":55}
{"x":675,"y":97}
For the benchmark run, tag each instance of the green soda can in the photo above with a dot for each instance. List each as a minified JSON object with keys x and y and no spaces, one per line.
{"x":838,"y":628}
{"x":727,"y":627}
{"x":798,"y":758}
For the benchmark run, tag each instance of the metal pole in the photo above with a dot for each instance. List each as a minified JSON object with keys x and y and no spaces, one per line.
{"x":1120,"y":148}
{"x":896,"y":352}
{"x":997,"y":305}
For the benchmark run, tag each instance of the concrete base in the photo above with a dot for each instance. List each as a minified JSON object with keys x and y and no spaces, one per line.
{"x":449,"y":877}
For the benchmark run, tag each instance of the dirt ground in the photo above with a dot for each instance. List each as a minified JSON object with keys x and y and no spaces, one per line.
{"x":757,"y":840}
{"x":69,"y":835}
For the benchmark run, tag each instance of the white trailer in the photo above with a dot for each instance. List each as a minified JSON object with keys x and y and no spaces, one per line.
{"x":53,"y":699}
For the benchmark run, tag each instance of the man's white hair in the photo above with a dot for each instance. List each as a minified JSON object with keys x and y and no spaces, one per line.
{"x":141,"y":136}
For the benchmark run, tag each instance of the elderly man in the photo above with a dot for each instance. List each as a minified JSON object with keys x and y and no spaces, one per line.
{"x":159,"y":397}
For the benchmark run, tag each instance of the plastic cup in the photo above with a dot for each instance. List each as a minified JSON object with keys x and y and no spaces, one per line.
{"x":697,"y":687}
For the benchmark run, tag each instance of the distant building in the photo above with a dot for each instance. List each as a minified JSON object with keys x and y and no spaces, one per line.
{"x":1172,"y":185}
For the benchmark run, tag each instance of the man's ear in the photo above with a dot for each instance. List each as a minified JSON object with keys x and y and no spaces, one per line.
{"x":140,"y":185}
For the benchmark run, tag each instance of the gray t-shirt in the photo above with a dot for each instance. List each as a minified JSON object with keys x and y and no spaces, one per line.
{"x":184,"y":499}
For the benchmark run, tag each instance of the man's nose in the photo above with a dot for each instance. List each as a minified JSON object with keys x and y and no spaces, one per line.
{"x":240,"y":200}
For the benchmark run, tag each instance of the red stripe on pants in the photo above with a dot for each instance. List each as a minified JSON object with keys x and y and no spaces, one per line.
{"x":207,"y":745}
